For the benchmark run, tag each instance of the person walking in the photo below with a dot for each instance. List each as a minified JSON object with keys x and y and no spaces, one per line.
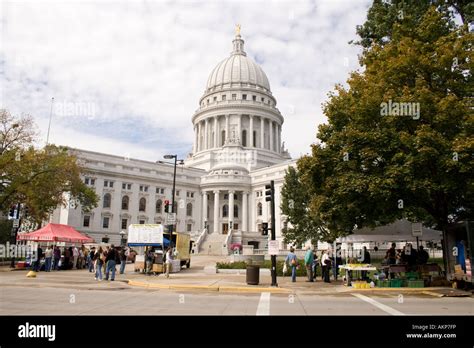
{"x":325,"y":266}
{"x":48,"y":256}
{"x":98,"y":263}
{"x":123,"y":259}
{"x":57,"y":257}
{"x":110,"y":262}
{"x":168,"y":261}
{"x":292,"y":262}
{"x":308,"y":261}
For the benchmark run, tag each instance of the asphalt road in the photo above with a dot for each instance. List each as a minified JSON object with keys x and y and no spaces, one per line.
{"x":122,"y":300}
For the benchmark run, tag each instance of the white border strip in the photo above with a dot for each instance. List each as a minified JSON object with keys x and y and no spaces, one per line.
{"x":379,"y":305}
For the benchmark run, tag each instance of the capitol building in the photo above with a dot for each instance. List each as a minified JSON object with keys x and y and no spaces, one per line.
{"x":220,"y":186}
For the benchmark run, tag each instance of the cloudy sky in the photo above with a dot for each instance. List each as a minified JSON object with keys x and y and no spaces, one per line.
{"x":127,"y":75}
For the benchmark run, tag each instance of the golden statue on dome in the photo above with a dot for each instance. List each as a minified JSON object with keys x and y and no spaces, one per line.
{"x":237,"y":29}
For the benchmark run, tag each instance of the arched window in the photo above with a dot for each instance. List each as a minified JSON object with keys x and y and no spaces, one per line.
{"x":189,"y":209}
{"x":142,"y":204}
{"x":159,"y":204}
{"x":225,"y":211}
{"x":107,"y":200}
{"x":236,"y":211}
{"x":244,"y":137}
{"x":223,"y":138}
{"x":259,"y":209}
{"x":125,"y":201}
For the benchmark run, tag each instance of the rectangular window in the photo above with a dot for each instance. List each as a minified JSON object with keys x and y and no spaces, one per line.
{"x":244,"y":96}
{"x":189,"y":227}
{"x":126,"y":186}
{"x":129,"y":186}
{"x":106,"y":183}
{"x":177,"y":192}
{"x":263,"y":100}
{"x":111,"y":184}
{"x":92,"y":182}
{"x":124,"y":224}
{"x":86,"y":181}
{"x":234,"y":96}
{"x":142,"y":222}
{"x":87,"y":221}
{"x":254,"y":98}
{"x":226,"y":196}
{"x":105,"y":222}
{"x":215,"y":99}
{"x":143,"y":188}
{"x":224,"y":97}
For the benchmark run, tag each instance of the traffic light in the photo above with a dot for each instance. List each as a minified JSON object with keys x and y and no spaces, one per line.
{"x":269,"y":192}
{"x":264,"y":228}
{"x":167,"y":206}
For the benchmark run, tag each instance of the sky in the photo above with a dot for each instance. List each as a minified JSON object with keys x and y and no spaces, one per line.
{"x":126,"y":76}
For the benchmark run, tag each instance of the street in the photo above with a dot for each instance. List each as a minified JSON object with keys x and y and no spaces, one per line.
{"x":77,"y":293}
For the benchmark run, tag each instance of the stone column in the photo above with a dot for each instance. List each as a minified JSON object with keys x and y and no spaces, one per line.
{"x":245,"y":211}
{"x":195,"y":139}
{"x":251,"y":131}
{"x":216,"y":131}
{"x":279,"y":138}
{"x":239,"y":128}
{"x":262,"y":133}
{"x":216,"y":211}
{"x":226,"y":128}
{"x":271,"y":135}
{"x":206,"y":134}
{"x":204,"y":208}
{"x":231,"y":209}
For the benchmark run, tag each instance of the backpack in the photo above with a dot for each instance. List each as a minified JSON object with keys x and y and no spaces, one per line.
{"x":293,"y":262}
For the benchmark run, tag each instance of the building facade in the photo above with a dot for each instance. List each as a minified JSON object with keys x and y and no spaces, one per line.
{"x":220,"y":188}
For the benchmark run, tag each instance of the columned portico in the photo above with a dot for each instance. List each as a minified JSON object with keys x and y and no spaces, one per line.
{"x":216,"y":211}
{"x":245,"y":196}
{"x":231,"y":209}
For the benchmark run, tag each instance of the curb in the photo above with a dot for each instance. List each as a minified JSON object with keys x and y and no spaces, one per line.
{"x":218,"y":288}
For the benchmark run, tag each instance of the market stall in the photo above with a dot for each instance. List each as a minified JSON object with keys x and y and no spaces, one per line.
{"x":357,"y":269}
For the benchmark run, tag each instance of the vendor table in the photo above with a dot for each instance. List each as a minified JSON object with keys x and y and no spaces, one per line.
{"x":349,"y":269}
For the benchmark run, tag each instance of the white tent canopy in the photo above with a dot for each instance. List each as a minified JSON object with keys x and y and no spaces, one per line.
{"x":399,"y":231}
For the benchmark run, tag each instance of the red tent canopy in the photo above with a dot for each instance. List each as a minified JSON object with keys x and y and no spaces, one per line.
{"x":56,"y":233}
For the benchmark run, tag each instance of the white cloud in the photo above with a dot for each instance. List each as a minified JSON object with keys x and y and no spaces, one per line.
{"x":143,"y":65}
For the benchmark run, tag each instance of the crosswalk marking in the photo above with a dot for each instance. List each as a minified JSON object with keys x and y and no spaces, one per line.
{"x":264,"y":304}
{"x":379,"y":305}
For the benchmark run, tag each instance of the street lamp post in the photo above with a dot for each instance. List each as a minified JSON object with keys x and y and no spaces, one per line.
{"x":122,"y":238}
{"x":175,"y":157}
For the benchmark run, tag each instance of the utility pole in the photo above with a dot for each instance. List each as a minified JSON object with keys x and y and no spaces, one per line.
{"x":270,"y":197}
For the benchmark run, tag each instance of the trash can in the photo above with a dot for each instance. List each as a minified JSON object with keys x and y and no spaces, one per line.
{"x":253,"y":274}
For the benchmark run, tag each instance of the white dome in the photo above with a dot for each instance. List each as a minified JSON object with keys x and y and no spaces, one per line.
{"x":238,"y":70}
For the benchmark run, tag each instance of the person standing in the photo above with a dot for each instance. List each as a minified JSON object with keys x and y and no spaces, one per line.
{"x":67,"y":257}
{"x":169,"y":259}
{"x":48,"y":256}
{"x":292,"y":261}
{"x":423,"y":256}
{"x":325,"y":266}
{"x":123,"y":259}
{"x":366,"y":260}
{"x":315,"y":263}
{"x":308,"y":261}
{"x":98,"y":263}
{"x":90,"y":257}
{"x":110,"y":262}
{"x":75,"y":257}
{"x":39,"y":256}
{"x":57,"y":257}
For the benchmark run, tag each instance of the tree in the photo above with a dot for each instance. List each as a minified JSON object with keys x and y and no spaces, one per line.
{"x":371,"y":165}
{"x":41,"y":179}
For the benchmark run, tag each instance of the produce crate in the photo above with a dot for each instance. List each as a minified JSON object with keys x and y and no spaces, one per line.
{"x":395,"y":283}
{"x":416,"y":284}
{"x":383,"y":283}
{"x":412,"y":275}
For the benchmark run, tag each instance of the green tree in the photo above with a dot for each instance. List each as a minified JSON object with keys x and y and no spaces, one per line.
{"x":41,"y":179}
{"x":369,"y":168}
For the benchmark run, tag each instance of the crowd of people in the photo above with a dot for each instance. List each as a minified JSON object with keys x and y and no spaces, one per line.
{"x":55,"y":259}
{"x":408,"y":255}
